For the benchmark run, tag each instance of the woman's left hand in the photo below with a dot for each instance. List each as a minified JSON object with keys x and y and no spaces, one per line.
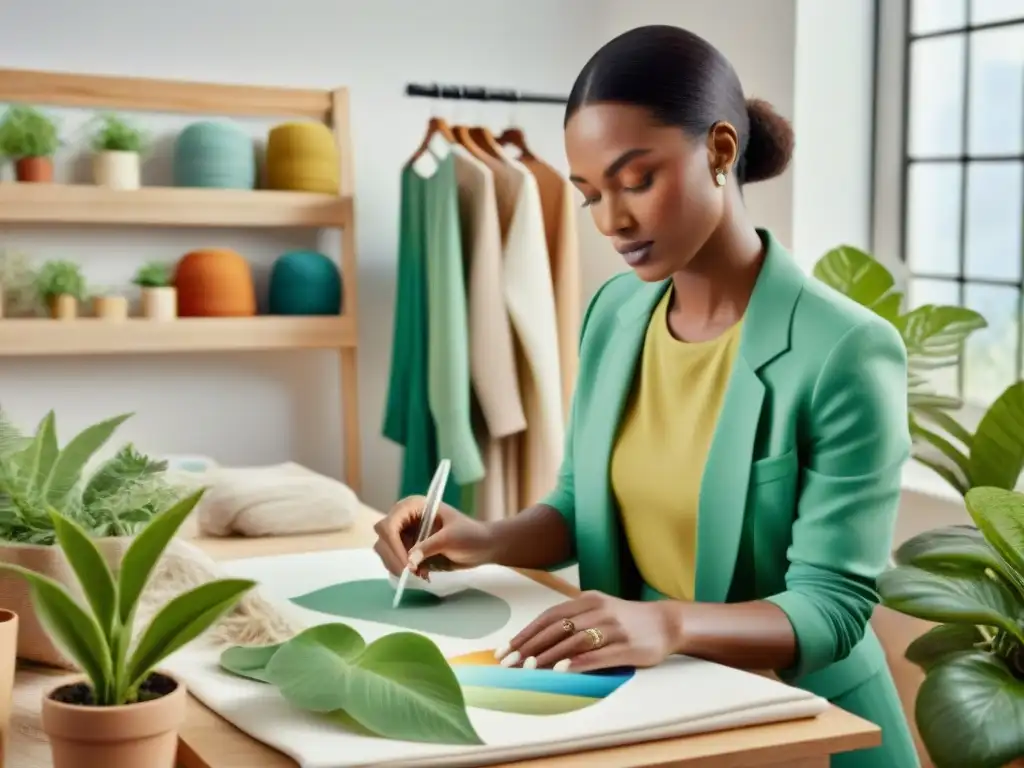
{"x":594,"y":631}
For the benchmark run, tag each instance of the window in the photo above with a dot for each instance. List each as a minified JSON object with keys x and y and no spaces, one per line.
{"x":963,"y":178}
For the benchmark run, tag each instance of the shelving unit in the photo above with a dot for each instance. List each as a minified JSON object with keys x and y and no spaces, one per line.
{"x":82,"y":205}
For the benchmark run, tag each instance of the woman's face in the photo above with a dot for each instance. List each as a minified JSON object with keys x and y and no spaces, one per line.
{"x":650,"y":188}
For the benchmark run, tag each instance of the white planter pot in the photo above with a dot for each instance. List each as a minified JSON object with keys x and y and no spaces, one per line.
{"x":117,"y":170}
{"x":160,"y":303}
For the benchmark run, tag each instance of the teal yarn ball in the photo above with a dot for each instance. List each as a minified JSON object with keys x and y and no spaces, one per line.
{"x":305,"y":283}
{"x":214,"y":154}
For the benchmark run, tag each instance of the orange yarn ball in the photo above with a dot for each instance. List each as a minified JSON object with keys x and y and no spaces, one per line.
{"x":214,"y":282}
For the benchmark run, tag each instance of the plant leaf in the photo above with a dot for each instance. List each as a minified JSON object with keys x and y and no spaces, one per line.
{"x":857,"y":275}
{"x":944,"y":446}
{"x":48,"y":450}
{"x":1000,"y":516}
{"x":938,"y":643}
{"x":181,"y":621}
{"x":954,"y":597}
{"x":91,"y":569}
{"x":948,"y":424}
{"x":67,"y":469}
{"x":935,"y":335}
{"x":145,"y":551}
{"x":249,"y":660}
{"x":399,"y":687}
{"x":997,"y":457}
{"x":947,"y":474}
{"x":969,"y":712}
{"x":945,"y":549}
{"x":73,"y":629}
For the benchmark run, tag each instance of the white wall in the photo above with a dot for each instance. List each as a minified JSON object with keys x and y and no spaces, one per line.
{"x":261,"y":408}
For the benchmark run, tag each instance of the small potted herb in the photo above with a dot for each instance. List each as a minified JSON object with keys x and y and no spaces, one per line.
{"x":118,"y":147}
{"x":29,"y":138}
{"x":123,"y":712}
{"x":159,"y":296}
{"x":62,"y":286}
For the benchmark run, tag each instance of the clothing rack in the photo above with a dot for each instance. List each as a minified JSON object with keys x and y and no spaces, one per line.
{"x":478,"y":93}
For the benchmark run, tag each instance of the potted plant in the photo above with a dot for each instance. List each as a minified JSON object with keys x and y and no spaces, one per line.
{"x":118,"y":147}
{"x":159,"y":296}
{"x":970,"y":706}
{"x":18,"y":280}
{"x":111,"y":503}
{"x":29,"y":138}
{"x":61,"y":285}
{"x":109,"y":305}
{"x":124,"y":712}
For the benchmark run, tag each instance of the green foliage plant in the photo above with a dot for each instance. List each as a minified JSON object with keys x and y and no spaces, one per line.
{"x":154,"y":274}
{"x":60,"y":277}
{"x":400,"y":686}
{"x":115,"y":134}
{"x":118,"y":498}
{"x":99,"y":636}
{"x":970,"y":707}
{"x":28,"y":132}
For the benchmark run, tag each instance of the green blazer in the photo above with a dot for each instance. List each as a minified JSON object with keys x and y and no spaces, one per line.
{"x":800,"y":491}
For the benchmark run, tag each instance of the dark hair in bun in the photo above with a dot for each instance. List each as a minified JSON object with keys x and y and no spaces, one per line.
{"x":685,"y":81}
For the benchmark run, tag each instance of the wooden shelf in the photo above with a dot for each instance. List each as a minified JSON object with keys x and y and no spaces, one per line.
{"x":170,"y":206}
{"x":89,"y":336}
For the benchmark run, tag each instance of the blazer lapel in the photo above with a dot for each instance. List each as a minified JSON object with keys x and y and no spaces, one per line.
{"x":726,"y":479}
{"x":598,"y":529}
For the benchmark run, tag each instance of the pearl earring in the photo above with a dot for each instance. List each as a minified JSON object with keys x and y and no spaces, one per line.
{"x":720,"y":177}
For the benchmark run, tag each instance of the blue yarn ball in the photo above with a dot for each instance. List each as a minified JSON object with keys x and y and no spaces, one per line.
{"x":215,"y":154}
{"x":304,"y":283}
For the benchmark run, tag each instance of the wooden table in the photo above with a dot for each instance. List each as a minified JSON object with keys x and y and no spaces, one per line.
{"x":208,"y":741}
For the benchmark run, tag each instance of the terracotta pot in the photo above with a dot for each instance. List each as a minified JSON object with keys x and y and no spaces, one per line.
{"x":38,"y":169}
{"x":8,"y":661}
{"x":130,"y":736}
{"x":110,"y":307}
{"x":160,"y":303}
{"x":64,"y":306}
{"x":117,"y":170}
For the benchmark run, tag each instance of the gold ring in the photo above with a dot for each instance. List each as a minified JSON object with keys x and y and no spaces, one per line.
{"x":596,"y":637}
{"x":568,"y":626}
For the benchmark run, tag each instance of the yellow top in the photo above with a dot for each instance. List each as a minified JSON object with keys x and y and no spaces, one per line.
{"x":658,"y":459}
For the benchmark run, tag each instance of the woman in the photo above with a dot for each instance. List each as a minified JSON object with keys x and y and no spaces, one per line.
{"x":732,"y":467}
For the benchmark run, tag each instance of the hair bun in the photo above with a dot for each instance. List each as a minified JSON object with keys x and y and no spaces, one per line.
{"x":770,"y":144}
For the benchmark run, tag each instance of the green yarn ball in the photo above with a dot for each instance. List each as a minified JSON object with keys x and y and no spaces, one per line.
{"x":305,"y":283}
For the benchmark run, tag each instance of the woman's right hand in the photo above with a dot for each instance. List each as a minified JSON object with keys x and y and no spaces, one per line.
{"x":457,"y":541}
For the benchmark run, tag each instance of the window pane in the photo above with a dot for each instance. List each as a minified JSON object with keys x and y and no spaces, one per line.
{"x":936,"y":96}
{"x":985,"y":11}
{"x":934,"y":15}
{"x":944,"y":293}
{"x":990,"y":363}
{"x":994,"y":220}
{"x":933,"y":218}
{"x":997,"y":91}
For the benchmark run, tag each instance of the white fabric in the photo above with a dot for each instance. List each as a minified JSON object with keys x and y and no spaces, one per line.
{"x":713,"y":697}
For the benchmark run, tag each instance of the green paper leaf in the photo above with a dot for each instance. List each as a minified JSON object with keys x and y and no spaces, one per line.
{"x":142,"y":556}
{"x":74,"y":630}
{"x":997,"y":457}
{"x":181,"y":621}
{"x":939,"y":643}
{"x":399,"y":687}
{"x":969,"y":711}
{"x":249,"y":660}
{"x":955,"y":597}
{"x":91,"y":569}
{"x":859,"y":276}
{"x":945,"y":549}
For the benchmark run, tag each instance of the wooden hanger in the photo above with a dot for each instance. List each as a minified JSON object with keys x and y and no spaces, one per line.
{"x":434,"y":126}
{"x":464,"y":137}
{"x":517,"y":139}
{"x":486,"y":141}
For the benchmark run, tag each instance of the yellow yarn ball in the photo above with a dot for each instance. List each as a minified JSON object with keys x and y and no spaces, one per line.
{"x":303,"y":157}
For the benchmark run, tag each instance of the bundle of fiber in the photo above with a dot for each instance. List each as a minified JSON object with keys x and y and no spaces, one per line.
{"x":214,"y":282}
{"x":303,"y":157}
{"x":214,"y":154}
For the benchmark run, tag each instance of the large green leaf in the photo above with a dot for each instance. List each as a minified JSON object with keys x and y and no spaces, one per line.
{"x":181,"y":621}
{"x":970,"y":711}
{"x":952,"y":453}
{"x":67,"y":469}
{"x":49,"y":450}
{"x":11,"y":438}
{"x":938,"y":643}
{"x":70,"y":627}
{"x":91,"y":569}
{"x":997,"y":457}
{"x":145,"y":551}
{"x":399,"y":687}
{"x":935,"y":335}
{"x":955,"y":597}
{"x":999,"y":514}
{"x":859,"y":276}
{"x":948,"y":424}
{"x":251,"y":660}
{"x":944,"y":549}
